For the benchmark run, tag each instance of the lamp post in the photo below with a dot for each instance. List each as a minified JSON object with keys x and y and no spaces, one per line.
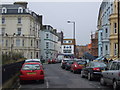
{"x":73,"y":22}
{"x":118,"y":32}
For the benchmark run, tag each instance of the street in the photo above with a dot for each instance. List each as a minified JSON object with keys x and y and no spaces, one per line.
{"x":56,"y":77}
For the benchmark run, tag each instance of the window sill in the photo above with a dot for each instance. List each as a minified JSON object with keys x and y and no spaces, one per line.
{"x":19,"y":24}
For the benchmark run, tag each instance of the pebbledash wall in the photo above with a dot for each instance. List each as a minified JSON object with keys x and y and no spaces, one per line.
{"x":20,"y":28}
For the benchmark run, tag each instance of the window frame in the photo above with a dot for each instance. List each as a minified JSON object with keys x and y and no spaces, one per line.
{"x":17,"y":42}
{"x":20,"y":10}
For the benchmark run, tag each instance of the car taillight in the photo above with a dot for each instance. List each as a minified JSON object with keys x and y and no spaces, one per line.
{"x":41,"y":73}
{"x":96,"y":69}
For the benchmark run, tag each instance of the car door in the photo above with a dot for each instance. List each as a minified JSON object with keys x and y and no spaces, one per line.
{"x":111,"y":72}
{"x":105,"y":73}
{"x":87,"y":68}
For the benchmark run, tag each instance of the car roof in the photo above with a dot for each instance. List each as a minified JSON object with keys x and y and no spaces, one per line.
{"x":32,"y":60}
{"x":116,"y":60}
{"x":67,"y":59}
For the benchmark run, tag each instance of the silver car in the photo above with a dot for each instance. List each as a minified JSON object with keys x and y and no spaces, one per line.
{"x":111,"y":75}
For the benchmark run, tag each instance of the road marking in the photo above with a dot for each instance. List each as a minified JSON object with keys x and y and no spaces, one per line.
{"x":47,"y":84}
{"x":20,"y":86}
{"x":94,"y":85}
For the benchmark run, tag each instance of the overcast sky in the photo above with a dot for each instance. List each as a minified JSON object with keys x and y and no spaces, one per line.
{"x":57,"y":14}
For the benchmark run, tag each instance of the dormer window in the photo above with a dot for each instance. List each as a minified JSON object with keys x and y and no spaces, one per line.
{"x":4,"y":10}
{"x":20,"y":10}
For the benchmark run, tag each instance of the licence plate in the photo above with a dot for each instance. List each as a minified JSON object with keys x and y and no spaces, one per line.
{"x":29,"y":73}
{"x":81,"y":65}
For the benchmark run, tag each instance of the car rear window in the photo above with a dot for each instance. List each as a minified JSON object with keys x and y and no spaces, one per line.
{"x":31,"y":67}
{"x":99,"y":64}
{"x":33,"y":61}
{"x":81,"y":63}
{"x":70,"y":62}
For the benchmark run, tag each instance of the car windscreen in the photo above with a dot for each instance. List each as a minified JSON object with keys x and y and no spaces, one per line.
{"x":70,"y":62}
{"x":31,"y":67}
{"x":97,"y":64}
{"x":65,"y":60}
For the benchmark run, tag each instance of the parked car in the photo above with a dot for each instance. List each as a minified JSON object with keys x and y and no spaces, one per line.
{"x":111,"y":75}
{"x":63,"y":62}
{"x":51,"y":61}
{"x":77,"y":66}
{"x":68,"y":64}
{"x":93,"y":70}
{"x":31,"y":71}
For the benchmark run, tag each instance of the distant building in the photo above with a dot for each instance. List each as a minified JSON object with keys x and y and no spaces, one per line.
{"x":60,"y":41}
{"x":49,"y":42}
{"x":68,"y":47}
{"x":60,"y":36}
{"x":20,"y":29}
{"x":94,"y":44}
{"x":80,"y":50}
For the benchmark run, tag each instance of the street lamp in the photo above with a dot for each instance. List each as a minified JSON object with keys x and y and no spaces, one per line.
{"x":73,"y":22}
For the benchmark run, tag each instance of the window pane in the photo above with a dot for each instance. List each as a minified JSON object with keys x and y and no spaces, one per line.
{"x":19,"y":19}
{"x":19,"y":31}
{"x":3,"y":20}
{"x":18,"y":42}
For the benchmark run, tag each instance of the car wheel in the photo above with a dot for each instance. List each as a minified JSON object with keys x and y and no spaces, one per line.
{"x":21,"y":82}
{"x":102,"y":81}
{"x":89,"y":76}
{"x":115,"y":86}
{"x":41,"y":81}
{"x":82,"y":76}
{"x":65,"y":68}
{"x":71,"y":70}
{"x":74,"y":71}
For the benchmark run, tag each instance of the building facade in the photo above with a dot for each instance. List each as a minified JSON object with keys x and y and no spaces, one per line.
{"x":94,"y":44}
{"x":114,"y":31}
{"x":68,"y":47}
{"x":108,"y":18}
{"x":106,"y":9}
{"x":80,"y":50}
{"x":20,"y":29}
{"x":49,"y":42}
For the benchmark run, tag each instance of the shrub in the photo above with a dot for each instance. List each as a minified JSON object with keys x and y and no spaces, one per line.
{"x":14,"y":56}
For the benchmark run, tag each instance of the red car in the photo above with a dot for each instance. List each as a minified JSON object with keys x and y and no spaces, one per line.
{"x":51,"y":61}
{"x":31,"y":71}
{"x":77,"y":66}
